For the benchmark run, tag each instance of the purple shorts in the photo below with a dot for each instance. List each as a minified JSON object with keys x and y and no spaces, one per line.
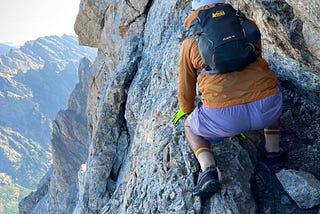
{"x":213,"y":124}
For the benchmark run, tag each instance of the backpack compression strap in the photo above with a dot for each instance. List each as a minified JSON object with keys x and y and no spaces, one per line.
{"x":207,"y":70}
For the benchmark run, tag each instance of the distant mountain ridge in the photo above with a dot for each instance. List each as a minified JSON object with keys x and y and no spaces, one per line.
{"x":4,"y":48}
{"x":43,"y":52}
{"x":35,"y":83}
{"x":41,"y":75}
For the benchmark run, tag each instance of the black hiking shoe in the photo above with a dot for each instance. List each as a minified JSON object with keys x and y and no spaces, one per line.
{"x":274,"y":160}
{"x":208,"y":183}
{"x":262,"y":189}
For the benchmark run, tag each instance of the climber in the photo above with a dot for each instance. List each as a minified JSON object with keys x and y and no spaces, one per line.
{"x":231,"y":103}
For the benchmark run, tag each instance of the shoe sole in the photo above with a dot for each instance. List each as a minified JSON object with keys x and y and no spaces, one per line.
{"x":208,"y":189}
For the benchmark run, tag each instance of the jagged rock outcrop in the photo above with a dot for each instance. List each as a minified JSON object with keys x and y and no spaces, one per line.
{"x":302,"y":187}
{"x":69,"y":149}
{"x":138,"y":162}
{"x":36,"y":81}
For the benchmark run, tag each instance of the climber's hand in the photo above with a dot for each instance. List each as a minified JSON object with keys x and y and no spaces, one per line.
{"x":177,"y":116}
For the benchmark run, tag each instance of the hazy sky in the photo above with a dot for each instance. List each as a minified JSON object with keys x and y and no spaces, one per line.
{"x":24,"y":20}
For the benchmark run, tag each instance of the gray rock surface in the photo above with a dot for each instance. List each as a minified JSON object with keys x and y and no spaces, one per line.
{"x":301,"y":186}
{"x":37,"y":198}
{"x":138,"y":162}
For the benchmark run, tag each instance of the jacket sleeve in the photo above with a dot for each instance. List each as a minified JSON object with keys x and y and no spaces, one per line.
{"x":189,"y":62}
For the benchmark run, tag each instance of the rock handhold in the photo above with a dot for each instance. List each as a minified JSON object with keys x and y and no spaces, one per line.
{"x":301,"y":186}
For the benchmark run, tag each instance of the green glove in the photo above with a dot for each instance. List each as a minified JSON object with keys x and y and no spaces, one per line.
{"x":243,"y":136}
{"x":177,"y":116}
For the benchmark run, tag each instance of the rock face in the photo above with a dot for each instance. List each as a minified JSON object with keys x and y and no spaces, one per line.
{"x":138,"y":162}
{"x":302,"y":187}
{"x":70,"y":150}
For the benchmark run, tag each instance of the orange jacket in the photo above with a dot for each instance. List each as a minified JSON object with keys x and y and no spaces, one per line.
{"x":254,"y":82}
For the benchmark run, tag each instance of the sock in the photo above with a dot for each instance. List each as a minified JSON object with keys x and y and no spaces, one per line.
{"x":272,"y":137}
{"x":205,"y":158}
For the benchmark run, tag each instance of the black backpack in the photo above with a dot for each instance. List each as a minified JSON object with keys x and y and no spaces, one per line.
{"x":226,"y":39}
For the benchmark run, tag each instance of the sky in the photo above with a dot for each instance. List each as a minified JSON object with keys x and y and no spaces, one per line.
{"x":25,"y":20}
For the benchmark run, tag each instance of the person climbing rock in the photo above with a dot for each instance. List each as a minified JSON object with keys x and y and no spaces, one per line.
{"x":237,"y":95}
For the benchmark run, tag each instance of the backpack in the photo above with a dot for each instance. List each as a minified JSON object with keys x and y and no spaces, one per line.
{"x":225,"y":37}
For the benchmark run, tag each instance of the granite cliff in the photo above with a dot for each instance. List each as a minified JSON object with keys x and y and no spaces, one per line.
{"x":138,"y":162}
